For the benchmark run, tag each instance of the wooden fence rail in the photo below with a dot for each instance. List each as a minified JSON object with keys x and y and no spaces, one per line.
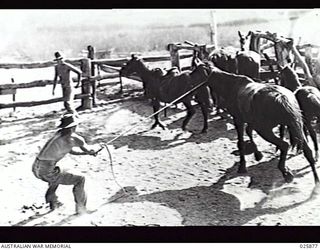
{"x":36,"y":65}
{"x":110,"y":68}
{"x":36,"y":103}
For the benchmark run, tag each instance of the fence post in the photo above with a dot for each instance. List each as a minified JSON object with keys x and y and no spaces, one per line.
{"x":13,"y":96}
{"x":174,"y":55}
{"x":91,"y":55}
{"x":86,"y":102}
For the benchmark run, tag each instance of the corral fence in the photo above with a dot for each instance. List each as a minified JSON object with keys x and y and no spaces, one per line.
{"x":94,"y":70}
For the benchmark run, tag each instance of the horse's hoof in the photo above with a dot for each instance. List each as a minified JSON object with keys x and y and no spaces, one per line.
{"x":288,"y":177}
{"x":258,"y":156}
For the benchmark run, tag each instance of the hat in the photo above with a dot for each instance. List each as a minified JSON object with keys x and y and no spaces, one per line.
{"x":58,"y":56}
{"x":68,"y":121}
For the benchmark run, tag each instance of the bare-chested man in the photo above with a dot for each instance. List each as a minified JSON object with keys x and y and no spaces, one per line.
{"x":62,"y":70}
{"x":44,"y":166}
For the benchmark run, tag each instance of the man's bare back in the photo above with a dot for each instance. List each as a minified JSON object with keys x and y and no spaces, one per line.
{"x":60,"y":145}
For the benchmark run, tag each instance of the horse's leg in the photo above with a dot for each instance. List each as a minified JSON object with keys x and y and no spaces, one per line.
{"x":204,"y":108}
{"x":257,"y":154}
{"x":281,"y":134}
{"x":190,"y":112}
{"x":203,"y":100}
{"x":313,"y":136}
{"x":240,"y":129}
{"x":268,"y":135}
{"x":213,"y":98}
{"x":156,"y":107}
{"x":308,"y":154}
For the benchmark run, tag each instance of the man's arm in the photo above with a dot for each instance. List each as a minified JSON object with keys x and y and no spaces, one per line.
{"x":55,"y":79}
{"x":77,"y":153}
{"x":80,"y":142}
{"x":75,"y":70}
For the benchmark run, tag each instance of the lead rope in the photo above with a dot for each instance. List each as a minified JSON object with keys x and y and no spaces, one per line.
{"x":160,"y":110}
{"x":105,"y":145}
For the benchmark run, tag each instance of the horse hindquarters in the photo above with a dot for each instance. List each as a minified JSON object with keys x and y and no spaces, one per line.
{"x":291,"y":113}
{"x":309,"y":101}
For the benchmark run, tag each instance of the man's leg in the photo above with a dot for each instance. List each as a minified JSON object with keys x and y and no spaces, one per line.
{"x":52,"y":178}
{"x":51,"y":196}
{"x":68,"y":99}
{"x":79,"y":194}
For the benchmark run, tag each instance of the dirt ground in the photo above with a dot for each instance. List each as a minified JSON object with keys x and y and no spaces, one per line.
{"x":159,"y":178}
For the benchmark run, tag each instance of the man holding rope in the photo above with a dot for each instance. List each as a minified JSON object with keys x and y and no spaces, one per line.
{"x":44,"y":166}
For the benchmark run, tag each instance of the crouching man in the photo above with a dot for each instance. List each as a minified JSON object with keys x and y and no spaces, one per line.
{"x":45,"y":168}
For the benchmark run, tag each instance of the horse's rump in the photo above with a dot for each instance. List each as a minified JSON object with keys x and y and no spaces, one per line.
{"x":309,"y":100}
{"x":267,"y":102}
{"x":270,"y":106}
{"x":249,"y":55}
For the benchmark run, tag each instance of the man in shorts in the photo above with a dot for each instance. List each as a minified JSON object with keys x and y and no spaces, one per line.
{"x":62,"y":71}
{"x":44,"y":166}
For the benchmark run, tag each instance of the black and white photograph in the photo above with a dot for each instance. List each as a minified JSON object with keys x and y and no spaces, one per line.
{"x":159,"y":117}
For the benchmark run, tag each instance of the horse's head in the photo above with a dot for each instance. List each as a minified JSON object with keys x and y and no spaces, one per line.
{"x":289,"y":78}
{"x":244,"y":40}
{"x":132,"y":66}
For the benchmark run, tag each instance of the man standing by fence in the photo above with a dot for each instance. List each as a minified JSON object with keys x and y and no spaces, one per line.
{"x":62,"y":71}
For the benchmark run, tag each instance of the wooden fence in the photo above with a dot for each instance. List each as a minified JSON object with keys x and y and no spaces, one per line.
{"x":101,"y":69}
{"x":107,"y":69}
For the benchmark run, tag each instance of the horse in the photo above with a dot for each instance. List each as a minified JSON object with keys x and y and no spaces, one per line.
{"x":244,"y":62}
{"x":308,"y":98}
{"x":167,"y":88}
{"x":247,"y":60}
{"x":262,"y":107}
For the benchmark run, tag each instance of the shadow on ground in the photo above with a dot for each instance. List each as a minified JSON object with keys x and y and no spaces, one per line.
{"x":209,"y":205}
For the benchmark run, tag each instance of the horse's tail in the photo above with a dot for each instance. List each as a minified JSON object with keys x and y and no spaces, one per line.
{"x":294,"y":121}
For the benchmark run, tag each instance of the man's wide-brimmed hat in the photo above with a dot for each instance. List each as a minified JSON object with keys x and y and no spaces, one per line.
{"x":58,"y":56}
{"x":68,"y":121}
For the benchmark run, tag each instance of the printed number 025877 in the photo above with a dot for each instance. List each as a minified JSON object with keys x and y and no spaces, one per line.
{"x":309,"y":245}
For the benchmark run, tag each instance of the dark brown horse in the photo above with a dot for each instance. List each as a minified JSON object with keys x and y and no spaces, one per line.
{"x":247,"y":60}
{"x":168,"y":88}
{"x":244,"y":62}
{"x":308,"y":98}
{"x":262,"y":107}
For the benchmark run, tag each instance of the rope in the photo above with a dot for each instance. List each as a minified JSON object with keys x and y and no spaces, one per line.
{"x":111,"y":165}
{"x":160,"y":110}
{"x":104,"y":145}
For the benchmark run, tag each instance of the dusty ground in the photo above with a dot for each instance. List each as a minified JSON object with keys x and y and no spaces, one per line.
{"x":171,"y":177}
